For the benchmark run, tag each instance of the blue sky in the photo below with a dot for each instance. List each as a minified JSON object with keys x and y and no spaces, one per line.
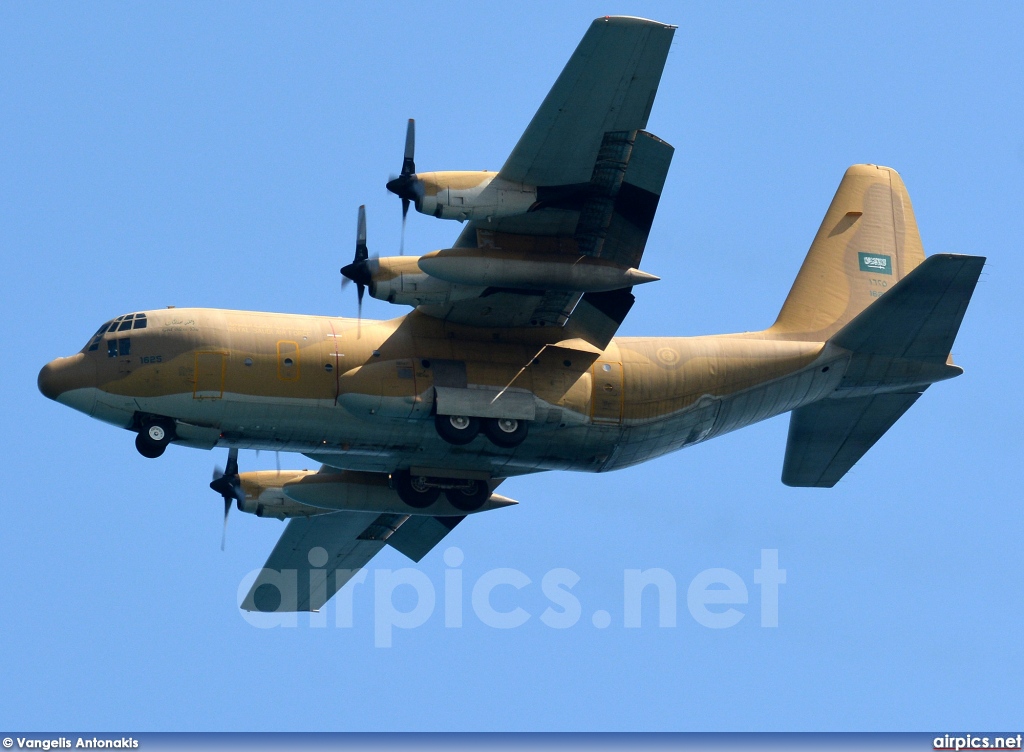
{"x":215,"y":154}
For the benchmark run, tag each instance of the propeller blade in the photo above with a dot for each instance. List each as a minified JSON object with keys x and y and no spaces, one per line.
{"x":405,"y":214}
{"x":406,"y":186}
{"x":409,"y":162}
{"x":359,"y":313}
{"x":358,"y":271}
{"x":224,"y":531}
{"x":227,"y":483}
{"x":232,"y":468}
{"x":361,"y":252}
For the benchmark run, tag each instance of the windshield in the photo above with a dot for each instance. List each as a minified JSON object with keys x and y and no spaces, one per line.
{"x":120,"y":324}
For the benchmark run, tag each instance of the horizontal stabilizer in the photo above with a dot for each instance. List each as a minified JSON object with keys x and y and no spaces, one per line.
{"x":827,"y":438}
{"x":919,"y":318}
{"x":901,"y":342}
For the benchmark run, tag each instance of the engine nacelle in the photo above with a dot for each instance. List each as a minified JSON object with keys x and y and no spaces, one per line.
{"x":470,"y":195}
{"x":399,"y":279}
{"x":494,"y":267}
{"x":304,"y":493}
{"x":265,"y":497}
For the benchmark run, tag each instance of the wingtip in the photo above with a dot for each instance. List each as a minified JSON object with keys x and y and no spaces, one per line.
{"x":632,"y":21}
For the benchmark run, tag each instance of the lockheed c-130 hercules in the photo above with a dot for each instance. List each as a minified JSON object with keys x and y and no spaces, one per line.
{"x":508,"y":363}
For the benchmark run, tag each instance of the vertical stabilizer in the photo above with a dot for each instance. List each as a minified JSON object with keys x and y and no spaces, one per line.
{"x":867,"y":242}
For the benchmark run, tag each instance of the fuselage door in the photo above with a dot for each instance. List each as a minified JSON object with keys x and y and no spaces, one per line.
{"x":209,"y":382}
{"x":606,"y":396}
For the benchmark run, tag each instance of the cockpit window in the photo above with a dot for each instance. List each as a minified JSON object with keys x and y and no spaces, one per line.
{"x":120,"y":346}
{"x":94,"y":342}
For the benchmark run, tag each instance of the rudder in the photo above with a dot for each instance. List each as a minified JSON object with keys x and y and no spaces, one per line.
{"x":867,"y":242}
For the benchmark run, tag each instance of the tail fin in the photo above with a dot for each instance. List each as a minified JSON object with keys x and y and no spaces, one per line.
{"x":867,"y":242}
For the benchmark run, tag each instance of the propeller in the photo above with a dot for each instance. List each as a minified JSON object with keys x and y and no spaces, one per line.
{"x":406,"y":186}
{"x":227,"y":484}
{"x":359,"y":270}
{"x":277,"y":452}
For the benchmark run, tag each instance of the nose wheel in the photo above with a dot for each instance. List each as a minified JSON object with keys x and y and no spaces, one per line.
{"x":153,"y":438}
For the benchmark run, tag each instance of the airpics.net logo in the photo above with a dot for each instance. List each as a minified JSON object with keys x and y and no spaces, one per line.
{"x":956,"y":743}
{"x":501,"y":598}
{"x":877,"y":263}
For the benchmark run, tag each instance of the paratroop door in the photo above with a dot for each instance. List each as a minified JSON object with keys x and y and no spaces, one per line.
{"x":606,"y":397}
{"x":209,"y":382}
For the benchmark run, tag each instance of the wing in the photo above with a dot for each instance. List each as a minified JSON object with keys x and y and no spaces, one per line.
{"x":609,"y":84}
{"x":609,"y":218}
{"x":599,"y":178}
{"x":317,"y":555}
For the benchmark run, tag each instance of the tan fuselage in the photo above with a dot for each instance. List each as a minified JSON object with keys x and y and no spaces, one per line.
{"x":360,"y":396}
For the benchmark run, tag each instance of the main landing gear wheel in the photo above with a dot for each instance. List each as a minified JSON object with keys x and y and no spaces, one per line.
{"x":506,"y":432}
{"x":413,"y":490}
{"x":469,"y":498}
{"x":457,"y":429}
{"x":153,"y":439}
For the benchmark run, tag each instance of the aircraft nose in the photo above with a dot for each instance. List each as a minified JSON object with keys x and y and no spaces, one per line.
{"x":64,"y":374}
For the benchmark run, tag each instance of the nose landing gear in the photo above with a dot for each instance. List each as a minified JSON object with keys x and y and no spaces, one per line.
{"x":153,"y":437}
